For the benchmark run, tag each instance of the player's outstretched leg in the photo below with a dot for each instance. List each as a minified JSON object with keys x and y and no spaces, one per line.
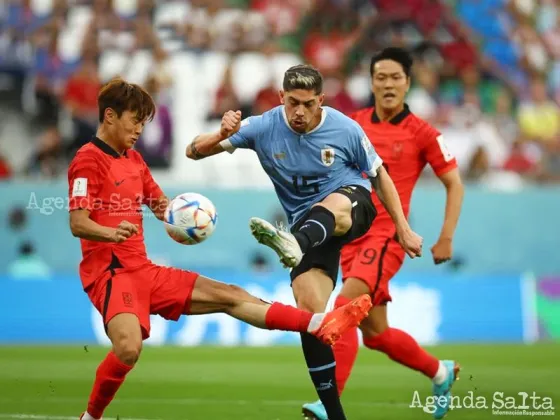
{"x":211,"y":296}
{"x":125,"y":334}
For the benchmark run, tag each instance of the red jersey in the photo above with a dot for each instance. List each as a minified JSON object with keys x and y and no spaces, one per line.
{"x":113,"y":188}
{"x":406,"y":144}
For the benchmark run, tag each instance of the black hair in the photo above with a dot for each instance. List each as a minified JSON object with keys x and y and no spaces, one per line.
{"x":304,"y":77}
{"x":401,"y":56}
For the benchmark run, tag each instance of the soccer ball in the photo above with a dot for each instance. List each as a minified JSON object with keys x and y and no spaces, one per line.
{"x":190,"y":218}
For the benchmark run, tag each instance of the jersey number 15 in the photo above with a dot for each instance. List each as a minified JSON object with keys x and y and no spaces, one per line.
{"x":305,"y":185}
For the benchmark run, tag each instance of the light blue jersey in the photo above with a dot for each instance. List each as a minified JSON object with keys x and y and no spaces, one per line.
{"x":305,"y":168}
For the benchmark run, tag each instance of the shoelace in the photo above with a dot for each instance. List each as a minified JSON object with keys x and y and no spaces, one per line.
{"x":281,"y":226}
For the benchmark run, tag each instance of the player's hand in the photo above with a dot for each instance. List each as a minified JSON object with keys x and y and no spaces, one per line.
{"x":442,"y":251}
{"x":411,"y":242}
{"x":231,"y":122}
{"x":124,"y":231}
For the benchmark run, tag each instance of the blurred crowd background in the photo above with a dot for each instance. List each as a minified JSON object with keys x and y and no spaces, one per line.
{"x":487,"y":72}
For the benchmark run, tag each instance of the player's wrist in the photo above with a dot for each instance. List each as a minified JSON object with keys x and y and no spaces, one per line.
{"x":221,"y":136}
{"x":403,"y":227}
{"x":110,"y":234}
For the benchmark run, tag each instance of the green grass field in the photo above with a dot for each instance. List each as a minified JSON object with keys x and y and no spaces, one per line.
{"x":258,"y":383}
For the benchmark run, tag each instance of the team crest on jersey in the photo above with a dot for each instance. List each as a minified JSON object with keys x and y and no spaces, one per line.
{"x":398,"y":147}
{"x":327,"y":156}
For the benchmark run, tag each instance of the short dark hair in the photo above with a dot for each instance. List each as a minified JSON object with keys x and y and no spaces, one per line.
{"x":401,"y":56}
{"x":121,"y":96}
{"x":304,"y":77}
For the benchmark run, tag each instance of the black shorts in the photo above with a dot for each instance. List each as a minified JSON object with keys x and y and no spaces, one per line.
{"x":327,"y":255}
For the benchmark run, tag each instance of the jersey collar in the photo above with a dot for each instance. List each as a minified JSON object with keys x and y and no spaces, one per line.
{"x":396,"y":120}
{"x":105,"y":148}
{"x":323,"y":118}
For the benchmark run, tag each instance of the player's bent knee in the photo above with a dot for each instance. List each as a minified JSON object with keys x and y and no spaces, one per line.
{"x":342,"y":216}
{"x":128,"y":351}
{"x":311,"y":304}
{"x":354,"y":287}
{"x":376,"y":323}
{"x":126,"y":335}
{"x":343,"y":223}
{"x":377,"y":341}
{"x":368,"y":329}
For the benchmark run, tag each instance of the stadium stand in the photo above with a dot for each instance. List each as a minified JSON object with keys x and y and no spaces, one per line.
{"x":490,"y":84}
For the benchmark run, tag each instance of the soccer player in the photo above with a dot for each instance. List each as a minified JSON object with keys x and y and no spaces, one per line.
{"x":406,"y":143}
{"x":315,"y":157}
{"x":108,"y":183}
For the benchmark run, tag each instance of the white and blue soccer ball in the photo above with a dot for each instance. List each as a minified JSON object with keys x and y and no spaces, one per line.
{"x":190,"y":218}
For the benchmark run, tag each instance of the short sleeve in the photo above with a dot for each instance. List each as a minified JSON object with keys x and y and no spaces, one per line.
{"x":151,"y":190}
{"x":436,"y":152}
{"x":367,"y":159}
{"x":84,"y":183}
{"x":247,"y":135}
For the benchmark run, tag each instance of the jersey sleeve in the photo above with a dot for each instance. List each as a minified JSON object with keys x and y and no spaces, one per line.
{"x":436,"y":152}
{"x":367,"y":159}
{"x":246,"y":137}
{"x":151,"y":190}
{"x":84,"y":183}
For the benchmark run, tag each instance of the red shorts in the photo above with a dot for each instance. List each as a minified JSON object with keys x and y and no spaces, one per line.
{"x":374,"y":258}
{"x":145,"y":290}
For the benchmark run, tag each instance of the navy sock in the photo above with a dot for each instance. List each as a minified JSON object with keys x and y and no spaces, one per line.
{"x":317,"y":228}
{"x":320,"y":361}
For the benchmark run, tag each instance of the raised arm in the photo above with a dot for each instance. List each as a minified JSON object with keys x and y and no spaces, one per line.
{"x":209,"y":144}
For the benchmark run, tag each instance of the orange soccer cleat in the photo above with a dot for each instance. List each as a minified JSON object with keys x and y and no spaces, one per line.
{"x":340,"y":320}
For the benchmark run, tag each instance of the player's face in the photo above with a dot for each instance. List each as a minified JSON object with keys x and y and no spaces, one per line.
{"x":127,"y":129}
{"x":389,"y":84}
{"x":302,"y":107}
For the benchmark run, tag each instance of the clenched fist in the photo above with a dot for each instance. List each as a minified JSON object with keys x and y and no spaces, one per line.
{"x":442,"y":251}
{"x":124,"y":231}
{"x":231,"y":122}
{"x":411,"y":242}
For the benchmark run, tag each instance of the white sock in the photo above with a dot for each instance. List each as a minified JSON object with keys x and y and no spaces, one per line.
{"x":315,"y":323}
{"x":88,"y":416}
{"x":441,"y":374}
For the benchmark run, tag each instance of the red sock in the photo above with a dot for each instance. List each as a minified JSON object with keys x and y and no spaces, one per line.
{"x":345,"y":350}
{"x":287,"y":318}
{"x":109,"y":377}
{"x":402,"y":348}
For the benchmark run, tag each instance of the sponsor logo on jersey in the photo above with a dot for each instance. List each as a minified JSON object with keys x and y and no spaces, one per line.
{"x":398,"y":147}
